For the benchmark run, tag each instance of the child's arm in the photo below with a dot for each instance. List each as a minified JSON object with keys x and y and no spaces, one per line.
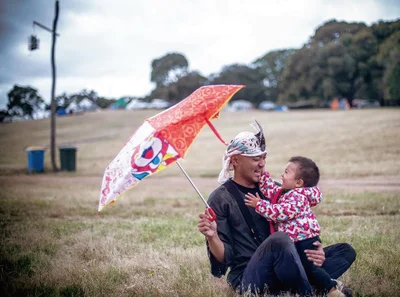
{"x":291,"y":208}
{"x":313,"y":194}
{"x":267,"y":185}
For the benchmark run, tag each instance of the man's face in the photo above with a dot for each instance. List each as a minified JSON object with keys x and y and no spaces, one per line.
{"x":248,"y":170}
{"x":289,"y":178}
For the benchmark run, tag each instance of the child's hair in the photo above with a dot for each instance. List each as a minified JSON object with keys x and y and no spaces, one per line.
{"x":308,"y":171}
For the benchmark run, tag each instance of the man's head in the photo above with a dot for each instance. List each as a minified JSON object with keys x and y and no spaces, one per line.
{"x":245,"y":154}
{"x":300,"y":172}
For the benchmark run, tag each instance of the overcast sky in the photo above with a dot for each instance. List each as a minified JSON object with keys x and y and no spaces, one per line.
{"x":108,"y":45}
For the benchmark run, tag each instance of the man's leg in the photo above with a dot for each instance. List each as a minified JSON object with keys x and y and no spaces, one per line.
{"x":276,"y":266}
{"x":339,"y":258}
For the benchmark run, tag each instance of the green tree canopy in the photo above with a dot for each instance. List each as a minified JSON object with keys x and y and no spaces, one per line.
{"x":271,"y":66}
{"x":24,"y":101}
{"x":349,"y":60}
{"x":168,"y":69}
{"x":180,"y":89}
{"x":240,"y":74}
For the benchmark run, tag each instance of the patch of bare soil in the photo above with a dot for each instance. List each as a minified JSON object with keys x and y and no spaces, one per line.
{"x":174,"y":183}
{"x":368,"y":183}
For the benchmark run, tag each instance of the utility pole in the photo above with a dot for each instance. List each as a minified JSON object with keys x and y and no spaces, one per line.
{"x":53,"y":85}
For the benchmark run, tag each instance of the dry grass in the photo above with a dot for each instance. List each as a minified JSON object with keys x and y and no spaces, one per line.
{"x":54,"y":244}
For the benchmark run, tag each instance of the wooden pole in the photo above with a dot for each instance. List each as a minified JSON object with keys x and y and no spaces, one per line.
{"x":53,"y":89}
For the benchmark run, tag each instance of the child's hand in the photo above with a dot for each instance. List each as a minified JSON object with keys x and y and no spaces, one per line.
{"x":252,"y":200}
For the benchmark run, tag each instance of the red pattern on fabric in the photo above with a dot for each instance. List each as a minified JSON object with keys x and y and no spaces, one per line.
{"x":178,"y":126}
{"x":292,"y":214}
{"x":183,"y":122}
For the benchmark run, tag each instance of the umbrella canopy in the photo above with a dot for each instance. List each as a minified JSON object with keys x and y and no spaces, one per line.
{"x":163,"y":139}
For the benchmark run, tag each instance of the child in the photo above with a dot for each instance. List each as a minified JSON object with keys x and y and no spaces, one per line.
{"x":289,"y":206}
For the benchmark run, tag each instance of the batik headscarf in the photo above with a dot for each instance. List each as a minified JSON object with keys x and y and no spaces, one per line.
{"x":245,"y":144}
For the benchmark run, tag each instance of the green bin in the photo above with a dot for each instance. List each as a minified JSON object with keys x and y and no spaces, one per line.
{"x":68,"y":158}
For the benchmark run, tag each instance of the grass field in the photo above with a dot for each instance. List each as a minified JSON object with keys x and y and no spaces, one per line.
{"x":53,"y":243}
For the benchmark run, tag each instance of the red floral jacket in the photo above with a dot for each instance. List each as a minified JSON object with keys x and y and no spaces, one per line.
{"x":291,"y":211}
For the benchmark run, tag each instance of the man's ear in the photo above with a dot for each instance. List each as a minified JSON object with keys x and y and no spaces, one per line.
{"x":299,"y":183}
{"x":234,"y":160}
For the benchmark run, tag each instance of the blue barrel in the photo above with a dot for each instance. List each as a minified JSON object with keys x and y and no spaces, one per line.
{"x":35,"y":159}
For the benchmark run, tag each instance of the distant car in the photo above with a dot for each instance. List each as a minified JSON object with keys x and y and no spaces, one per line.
{"x":240,"y":105}
{"x":267,"y":105}
{"x":159,"y":104}
{"x":365,"y":103}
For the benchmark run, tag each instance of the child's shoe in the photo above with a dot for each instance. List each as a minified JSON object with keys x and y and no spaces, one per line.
{"x":346,"y":291}
{"x":336,"y":293}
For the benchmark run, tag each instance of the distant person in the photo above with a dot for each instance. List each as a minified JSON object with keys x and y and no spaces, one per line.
{"x":288,"y":208}
{"x":240,"y":238}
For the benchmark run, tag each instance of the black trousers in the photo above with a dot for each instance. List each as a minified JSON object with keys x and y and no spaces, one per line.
{"x":276,"y":266}
{"x":317,"y":276}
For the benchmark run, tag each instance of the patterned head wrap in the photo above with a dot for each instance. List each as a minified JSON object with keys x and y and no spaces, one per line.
{"x":245,"y":144}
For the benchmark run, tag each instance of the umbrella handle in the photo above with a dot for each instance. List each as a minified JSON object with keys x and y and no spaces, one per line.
{"x":212,"y":216}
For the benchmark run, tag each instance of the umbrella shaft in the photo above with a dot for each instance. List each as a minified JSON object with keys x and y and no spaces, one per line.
{"x":191,"y":182}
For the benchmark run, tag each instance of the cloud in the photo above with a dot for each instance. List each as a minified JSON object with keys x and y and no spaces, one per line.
{"x":108,"y":46}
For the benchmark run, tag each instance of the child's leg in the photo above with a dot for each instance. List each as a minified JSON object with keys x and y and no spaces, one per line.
{"x":317,"y":276}
{"x":276,"y":265}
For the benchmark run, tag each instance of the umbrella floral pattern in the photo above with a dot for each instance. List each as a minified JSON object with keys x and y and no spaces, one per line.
{"x":163,"y":139}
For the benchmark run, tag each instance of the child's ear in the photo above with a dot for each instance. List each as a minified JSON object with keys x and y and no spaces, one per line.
{"x":299,"y":183}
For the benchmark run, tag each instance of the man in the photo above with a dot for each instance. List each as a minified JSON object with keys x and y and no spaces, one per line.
{"x":240,"y":239}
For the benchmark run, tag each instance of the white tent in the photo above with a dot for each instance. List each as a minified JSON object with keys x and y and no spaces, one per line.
{"x":159,"y":104}
{"x":240,"y":105}
{"x":87,"y":104}
{"x":137,"y":104}
{"x":73,"y":108}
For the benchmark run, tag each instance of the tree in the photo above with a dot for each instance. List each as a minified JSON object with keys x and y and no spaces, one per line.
{"x":271,"y":66}
{"x":332,"y":30}
{"x":394,"y":85}
{"x":103,"y":102}
{"x":338,"y":61}
{"x":351,"y":70}
{"x":4,"y":116}
{"x":388,"y":58}
{"x":179,"y":90}
{"x":62,"y":101}
{"x":242,"y":75}
{"x":24,"y":101}
{"x":168,"y":69}
{"x":383,"y":30}
{"x":301,"y":78}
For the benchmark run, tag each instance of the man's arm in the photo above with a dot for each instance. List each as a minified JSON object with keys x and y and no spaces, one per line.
{"x":209,"y":230}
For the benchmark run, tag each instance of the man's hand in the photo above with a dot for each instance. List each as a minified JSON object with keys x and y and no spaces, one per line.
{"x":316,"y":256}
{"x":252,"y":200}
{"x":207,"y":228}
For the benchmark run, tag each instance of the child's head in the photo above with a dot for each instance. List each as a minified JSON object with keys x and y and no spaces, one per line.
{"x":300,"y":172}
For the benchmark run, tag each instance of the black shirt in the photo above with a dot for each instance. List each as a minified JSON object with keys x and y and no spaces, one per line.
{"x":235,"y":233}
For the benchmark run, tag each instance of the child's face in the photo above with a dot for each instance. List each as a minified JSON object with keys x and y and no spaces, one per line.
{"x":289,"y":179}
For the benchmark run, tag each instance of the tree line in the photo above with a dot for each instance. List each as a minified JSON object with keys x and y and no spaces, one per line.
{"x":344,"y":60}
